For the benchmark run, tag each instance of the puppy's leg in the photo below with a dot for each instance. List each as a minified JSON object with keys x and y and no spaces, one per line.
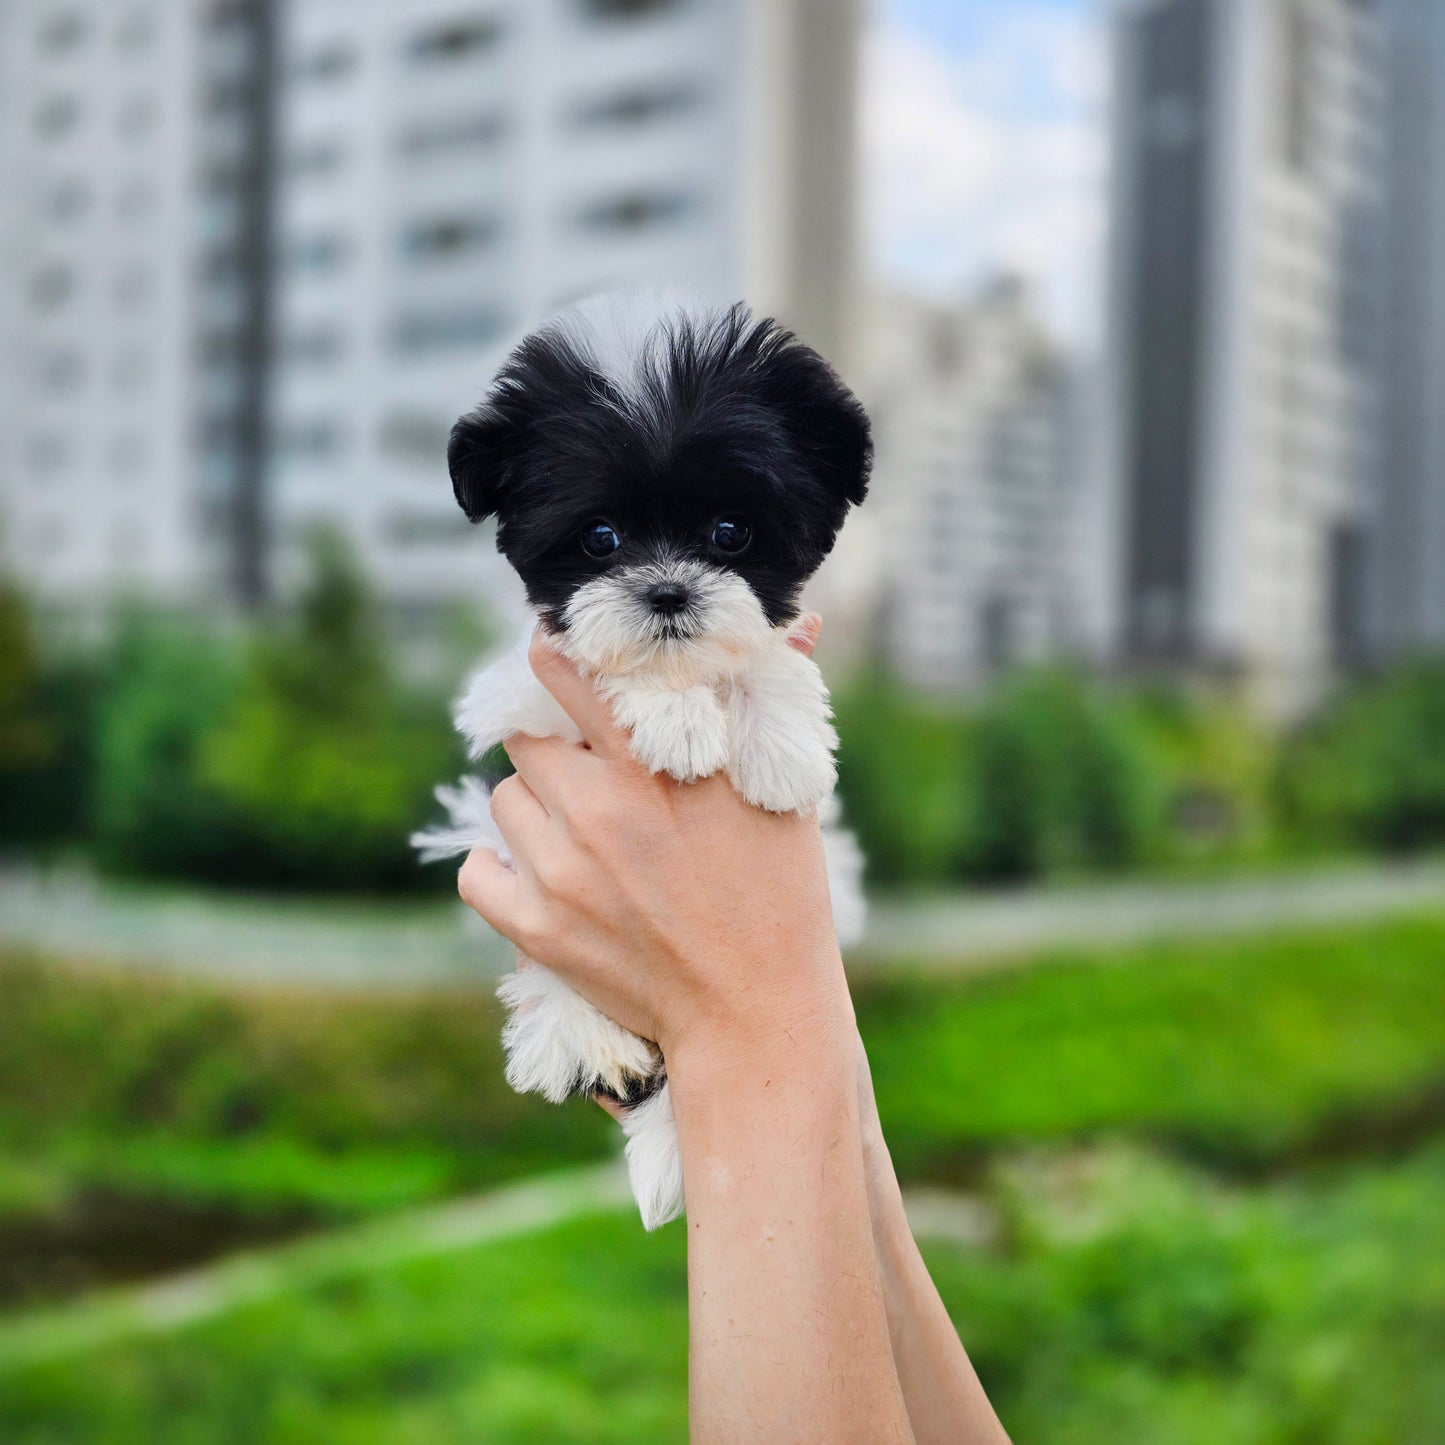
{"x":782,"y":740}
{"x":683,"y":733}
{"x":558,"y":1044}
{"x":654,"y":1160}
{"x":505,"y":698}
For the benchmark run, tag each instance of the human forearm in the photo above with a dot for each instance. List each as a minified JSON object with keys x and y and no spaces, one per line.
{"x":789,"y":1332}
{"x":946,"y":1403}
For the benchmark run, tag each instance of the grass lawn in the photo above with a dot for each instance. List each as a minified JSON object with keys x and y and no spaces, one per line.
{"x":1242,"y":1052}
{"x":1218,"y":1169}
{"x":1129,"y":1299}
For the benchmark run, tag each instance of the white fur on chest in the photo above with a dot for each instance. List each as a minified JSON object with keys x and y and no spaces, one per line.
{"x":765,"y":720}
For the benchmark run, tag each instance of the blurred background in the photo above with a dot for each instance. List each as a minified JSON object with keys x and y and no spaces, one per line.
{"x":1138,"y":652}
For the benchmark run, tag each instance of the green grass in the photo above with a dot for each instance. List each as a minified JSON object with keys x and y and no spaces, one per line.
{"x":1244,"y":1052}
{"x":334,"y":1105}
{"x":1129,"y":1299}
{"x":1173,"y":1263}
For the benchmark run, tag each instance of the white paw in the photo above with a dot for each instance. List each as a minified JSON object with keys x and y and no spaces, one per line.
{"x":654,"y":1161}
{"x":783,"y":772}
{"x":683,"y":734}
{"x":558,"y":1044}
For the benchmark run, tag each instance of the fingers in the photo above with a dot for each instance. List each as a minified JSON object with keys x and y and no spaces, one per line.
{"x":489,"y":887}
{"x":578,"y":699}
{"x":550,"y":768}
{"x":609,"y":1105}
{"x":520,"y":817}
{"x":804,"y":633}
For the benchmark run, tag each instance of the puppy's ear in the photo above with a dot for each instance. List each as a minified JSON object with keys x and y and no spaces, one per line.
{"x":825,"y":420}
{"x":482,"y":454}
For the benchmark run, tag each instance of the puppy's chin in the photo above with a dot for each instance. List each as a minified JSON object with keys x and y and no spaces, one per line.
{"x":611,"y":629}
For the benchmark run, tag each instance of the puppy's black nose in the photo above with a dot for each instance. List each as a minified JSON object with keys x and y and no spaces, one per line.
{"x":667,"y":597}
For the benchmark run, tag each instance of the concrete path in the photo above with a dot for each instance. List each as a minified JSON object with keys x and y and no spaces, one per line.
{"x":356,"y":943}
{"x":988,"y":931}
{"x":439,"y":944}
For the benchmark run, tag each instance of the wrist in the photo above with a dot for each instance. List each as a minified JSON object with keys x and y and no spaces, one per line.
{"x":784,"y":1046}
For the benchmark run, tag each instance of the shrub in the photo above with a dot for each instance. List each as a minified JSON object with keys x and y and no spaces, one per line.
{"x":47,"y":721}
{"x":1057,"y":781}
{"x":324,"y":760}
{"x":901,"y":777}
{"x":1370,"y":772}
{"x":154,"y":814}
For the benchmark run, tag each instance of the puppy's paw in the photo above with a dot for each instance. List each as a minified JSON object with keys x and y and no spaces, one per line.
{"x":558,"y":1044}
{"x":683,"y":734}
{"x":654,"y":1160}
{"x":782,"y":772}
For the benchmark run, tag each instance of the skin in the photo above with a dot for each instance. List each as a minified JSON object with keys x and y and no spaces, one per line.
{"x":700,"y":922}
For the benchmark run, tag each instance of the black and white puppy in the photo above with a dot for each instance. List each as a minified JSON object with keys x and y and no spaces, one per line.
{"x":665,"y":479}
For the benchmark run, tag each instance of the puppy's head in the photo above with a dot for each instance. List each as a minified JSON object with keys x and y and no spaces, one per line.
{"x":664,"y":482}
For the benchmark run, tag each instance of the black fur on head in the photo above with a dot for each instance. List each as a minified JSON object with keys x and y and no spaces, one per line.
{"x":662,"y":428}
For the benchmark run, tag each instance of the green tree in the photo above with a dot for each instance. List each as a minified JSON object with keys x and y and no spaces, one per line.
{"x":326,"y":760}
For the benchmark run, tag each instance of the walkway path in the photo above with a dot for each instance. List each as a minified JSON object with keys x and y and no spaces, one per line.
{"x":962,"y":932}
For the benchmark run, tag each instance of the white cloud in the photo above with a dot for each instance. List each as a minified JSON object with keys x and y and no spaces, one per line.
{"x":990,"y":159}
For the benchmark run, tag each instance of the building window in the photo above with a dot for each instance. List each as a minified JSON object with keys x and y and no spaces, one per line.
{"x":323,"y":252}
{"x":636,"y":211}
{"x":638,"y":105}
{"x":68,"y":200}
{"x":1301,"y":78}
{"x":456,"y":40}
{"x":445,"y":238}
{"x":230,"y":97}
{"x":223,"y":264}
{"x":626,"y":9}
{"x":412,"y":437}
{"x":441,"y":137}
{"x":62,"y":371}
{"x":310,"y":346}
{"x":307,"y":439}
{"x":60,"y":33}
{"x":221,"y":348}
{"x":314,"y":158}
{"x":56,"y":116}
{"x":51,"y":286}
{"x":47,"y":454}
{"x":449,"y":328}
{"x":327,"y":62}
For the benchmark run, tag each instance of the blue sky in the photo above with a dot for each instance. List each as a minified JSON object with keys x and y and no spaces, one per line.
{"x":984,"y":148}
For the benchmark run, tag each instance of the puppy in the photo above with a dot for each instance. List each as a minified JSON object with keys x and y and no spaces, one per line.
{"x":665,"y":479}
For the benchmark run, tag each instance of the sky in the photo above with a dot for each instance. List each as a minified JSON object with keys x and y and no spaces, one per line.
{"x":984,"y":149}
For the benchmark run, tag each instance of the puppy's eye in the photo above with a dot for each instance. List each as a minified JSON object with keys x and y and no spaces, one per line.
{"x":732,"y":534}
{"x":600,"y":539}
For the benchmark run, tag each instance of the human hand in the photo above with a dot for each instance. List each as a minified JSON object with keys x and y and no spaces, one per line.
{"x":679,"y":910}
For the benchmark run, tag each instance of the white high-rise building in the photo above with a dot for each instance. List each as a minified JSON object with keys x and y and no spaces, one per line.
{"x":119,"y":330}
{"x":259,"y":254}
{"x":973,"y":502}
{"x":1245,"y":336}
